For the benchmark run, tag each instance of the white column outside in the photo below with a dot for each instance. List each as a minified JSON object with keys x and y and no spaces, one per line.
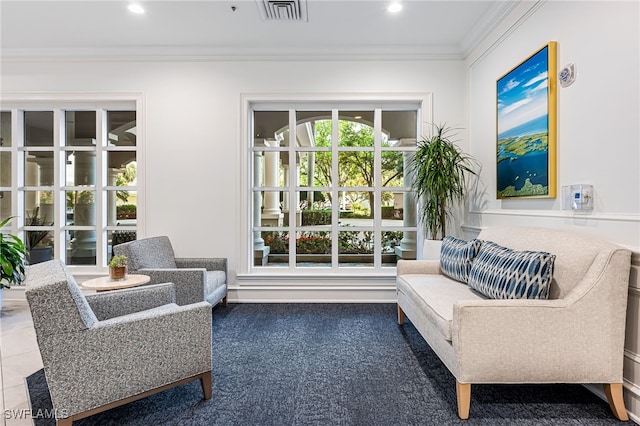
{"x":271,"y":213}
{"x":260,"y":251}
{"x":111,"y":197}
{"x":83,"y":245}
{"x":285,"y":195}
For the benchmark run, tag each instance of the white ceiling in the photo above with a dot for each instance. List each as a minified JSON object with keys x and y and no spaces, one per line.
{"x":205,"y":29}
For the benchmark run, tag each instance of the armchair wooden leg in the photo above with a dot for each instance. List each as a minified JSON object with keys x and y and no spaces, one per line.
{"x":463,"y":392}
{"x":205,"y":381}
{"x":616,"y":401}
{"x":225,"y":303}
{"x":400,"y":315}
{"x":67,"y":421}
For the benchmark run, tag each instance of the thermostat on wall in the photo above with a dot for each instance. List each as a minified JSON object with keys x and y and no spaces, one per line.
{"x":567,"y":75}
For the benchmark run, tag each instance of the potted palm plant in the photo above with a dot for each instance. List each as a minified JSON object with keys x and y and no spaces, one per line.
{"x":13,"y":254}
{"x":439,"y":169}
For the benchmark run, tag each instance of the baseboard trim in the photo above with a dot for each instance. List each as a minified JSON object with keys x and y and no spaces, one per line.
{"x":311,"y":294}
{"x":15,"y":294}
{"x":284,"y":293}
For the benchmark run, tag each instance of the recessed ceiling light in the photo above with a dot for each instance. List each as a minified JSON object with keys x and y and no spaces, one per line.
{"x":135,"y":8}
{"x":394,"y":7}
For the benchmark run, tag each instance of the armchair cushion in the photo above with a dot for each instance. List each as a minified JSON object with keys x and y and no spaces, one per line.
{"x":214,"y":279}
{"x":456,"y":257}
{"x":502,"y":273}
{"x":215,"y":286}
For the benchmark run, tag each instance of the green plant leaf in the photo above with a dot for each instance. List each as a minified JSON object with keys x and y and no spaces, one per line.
{"x":12,"y":258}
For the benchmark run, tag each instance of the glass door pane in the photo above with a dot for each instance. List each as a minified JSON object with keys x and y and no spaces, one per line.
{"x":38,"y":128}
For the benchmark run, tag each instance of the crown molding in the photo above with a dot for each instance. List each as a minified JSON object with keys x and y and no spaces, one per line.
{"x":482,"y":29}
{"x":225,"y":54}
{"x":489,"y":22}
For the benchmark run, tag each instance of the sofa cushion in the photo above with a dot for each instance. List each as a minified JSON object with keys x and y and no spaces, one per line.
{"x":502,"y":273}
{"x":435,"y":296}
{"x":456,"y":257}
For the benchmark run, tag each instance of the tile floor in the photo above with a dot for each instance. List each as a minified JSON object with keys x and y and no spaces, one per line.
{"x":20,"y":357}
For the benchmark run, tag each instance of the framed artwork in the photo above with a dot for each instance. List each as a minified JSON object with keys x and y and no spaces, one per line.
{"x":526,"y":127}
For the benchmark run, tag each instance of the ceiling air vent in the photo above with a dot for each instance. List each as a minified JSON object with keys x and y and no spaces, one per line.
{"x":283,"y":10}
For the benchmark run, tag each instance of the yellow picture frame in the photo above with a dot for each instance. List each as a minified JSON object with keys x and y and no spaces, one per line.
{"x":526,"y":127}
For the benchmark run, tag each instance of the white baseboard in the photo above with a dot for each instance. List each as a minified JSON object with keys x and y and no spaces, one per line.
{"x":271,"y":293}
{"x":313,"y":289}
{"x":311,"y":294}
{"x":14,"y":294}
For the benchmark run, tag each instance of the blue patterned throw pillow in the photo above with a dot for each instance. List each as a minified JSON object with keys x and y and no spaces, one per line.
{"x":456,"y":257}
{"x":502,"y":273}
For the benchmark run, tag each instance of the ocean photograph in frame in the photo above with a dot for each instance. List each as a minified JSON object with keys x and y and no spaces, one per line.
{"x":526,"y":127}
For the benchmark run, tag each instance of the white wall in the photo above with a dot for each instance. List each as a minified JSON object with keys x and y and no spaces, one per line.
{"x":192,"y":125}
{"x":598,"y":132}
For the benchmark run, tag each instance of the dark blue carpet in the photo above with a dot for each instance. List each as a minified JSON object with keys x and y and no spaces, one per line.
{"x":335,"y":364}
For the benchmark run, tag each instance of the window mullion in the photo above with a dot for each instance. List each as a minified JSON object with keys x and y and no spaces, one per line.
{"x":17,"y":178}
{"x":377,"y":188}
{"x":59,"y":180}
{"x":335,"y":201}
{"x":291,"y":189}
{"x":101,"y":184}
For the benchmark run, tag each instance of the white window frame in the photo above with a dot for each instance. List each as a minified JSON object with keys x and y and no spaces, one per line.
{"x":422,"y":102}
{"x":59,"y":103}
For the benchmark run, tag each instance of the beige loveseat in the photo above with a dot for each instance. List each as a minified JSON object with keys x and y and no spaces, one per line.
{"x":574,"y":336}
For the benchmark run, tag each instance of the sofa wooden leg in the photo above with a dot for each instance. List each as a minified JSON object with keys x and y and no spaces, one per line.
{"x":463,"y":392}
{"x":400,"y":315}
{"x":225,"y":303}
{"x":205,"y":380}
{"x":616,"y":401}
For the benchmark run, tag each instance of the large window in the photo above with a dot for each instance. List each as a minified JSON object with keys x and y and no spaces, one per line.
{"x":69,"y":176}
{"x":330,"y":188}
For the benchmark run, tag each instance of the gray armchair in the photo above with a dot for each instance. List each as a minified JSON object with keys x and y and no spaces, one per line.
{"x":104,"y":350}
{"x":196,"y":279}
